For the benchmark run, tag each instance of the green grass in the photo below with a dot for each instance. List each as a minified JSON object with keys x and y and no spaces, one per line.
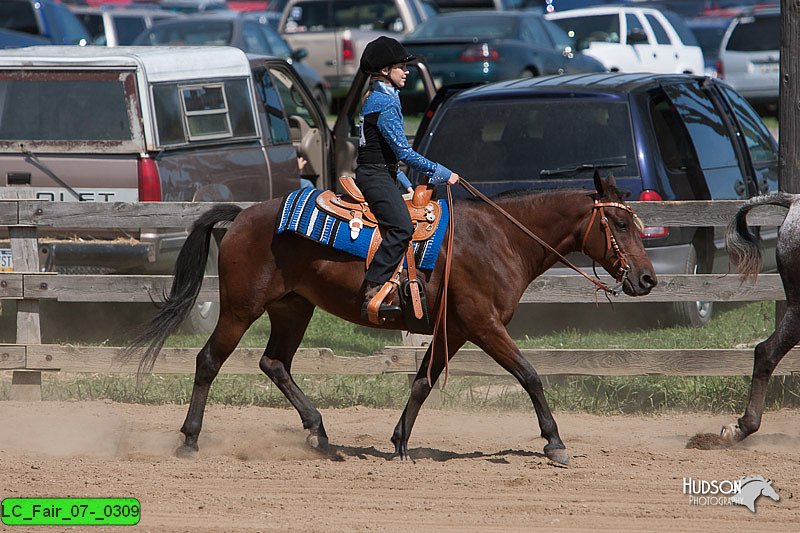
{"x":740,"y":325}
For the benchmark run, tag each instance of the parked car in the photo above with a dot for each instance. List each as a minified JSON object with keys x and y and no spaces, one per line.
{"x":29,"y":22}
{"x":117,"y":26}
{"x":709,"y":32}
{"x":664,"y":137}
{"x":495,"y":45}
{"x":335,"y":32}
{"x":749,"y":57}
{"x":148,"y":124}
{"x":633,"y":39}
{"x":247,"y":31}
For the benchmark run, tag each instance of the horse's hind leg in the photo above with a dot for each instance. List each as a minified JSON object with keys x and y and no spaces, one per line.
{"x":767,"y":356}
{"x":289,"y":318}
{"x":216,"y":351}
{"x":420,"y":390}
{"x":495,"y":341}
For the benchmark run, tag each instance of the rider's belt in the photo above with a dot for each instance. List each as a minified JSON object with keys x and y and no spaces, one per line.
{"x":394,"y":167}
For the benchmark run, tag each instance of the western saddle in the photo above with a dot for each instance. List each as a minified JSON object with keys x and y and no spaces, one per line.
{"x":425,"y":215}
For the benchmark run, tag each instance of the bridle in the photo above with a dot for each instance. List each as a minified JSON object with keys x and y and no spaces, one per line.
{"x":621,"y":265}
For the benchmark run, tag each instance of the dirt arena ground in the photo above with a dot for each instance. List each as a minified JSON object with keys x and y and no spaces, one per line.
{"x":473,"y":471}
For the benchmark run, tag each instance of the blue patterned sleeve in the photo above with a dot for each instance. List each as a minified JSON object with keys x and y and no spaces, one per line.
{"x":403,"y":180}
{"x":390,"y":124}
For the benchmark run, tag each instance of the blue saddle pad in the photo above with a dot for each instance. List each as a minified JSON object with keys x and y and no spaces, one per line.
{"x":300,"y":214}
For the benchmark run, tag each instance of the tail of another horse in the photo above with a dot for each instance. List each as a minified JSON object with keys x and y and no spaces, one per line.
{"x":744,"y":248}
{"x":188,"y":278}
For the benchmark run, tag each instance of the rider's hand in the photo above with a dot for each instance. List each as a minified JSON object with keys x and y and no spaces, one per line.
{"x":453,"y":178}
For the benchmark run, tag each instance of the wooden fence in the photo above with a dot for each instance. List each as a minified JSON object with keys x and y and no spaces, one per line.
{"x":28,"y":357}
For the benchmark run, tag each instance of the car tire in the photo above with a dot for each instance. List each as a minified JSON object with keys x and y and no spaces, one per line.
{"x":203,"y":317}
{"x":695,"y":314}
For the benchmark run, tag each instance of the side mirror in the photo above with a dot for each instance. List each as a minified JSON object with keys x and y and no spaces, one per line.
{"x":637,"y":36}
{"x":299,"y":54}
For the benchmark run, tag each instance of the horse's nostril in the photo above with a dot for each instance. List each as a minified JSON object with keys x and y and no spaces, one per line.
{"x":647,"y":281}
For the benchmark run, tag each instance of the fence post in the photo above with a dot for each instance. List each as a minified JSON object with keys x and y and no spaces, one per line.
{"x":415,"y":339}
{"x":26,"y":385}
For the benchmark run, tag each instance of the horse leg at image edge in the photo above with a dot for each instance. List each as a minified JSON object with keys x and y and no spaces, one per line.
{"x":767,"y":356}
{"x":495,"y":341}
{"x":289,"y":320}
{"x":209,"y":361}
{"x":420,"y":390}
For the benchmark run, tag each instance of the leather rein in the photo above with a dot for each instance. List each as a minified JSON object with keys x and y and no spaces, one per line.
{"x":622,"y":264}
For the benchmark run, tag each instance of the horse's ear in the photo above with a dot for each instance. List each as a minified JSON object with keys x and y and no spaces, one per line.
{"x":611,"y":182}
{"x":598,"y":183}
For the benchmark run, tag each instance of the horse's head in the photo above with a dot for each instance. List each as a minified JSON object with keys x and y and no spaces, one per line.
{"x":612,"y":237}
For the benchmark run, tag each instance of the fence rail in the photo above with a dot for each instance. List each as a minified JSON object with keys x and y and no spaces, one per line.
{"x":24,"y":217}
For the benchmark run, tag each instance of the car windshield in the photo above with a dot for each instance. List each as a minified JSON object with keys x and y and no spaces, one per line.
{"x":196,"y":32}
{"x":466,"y":27}
{"x":756,"y":35}
{"x":540,"y":140}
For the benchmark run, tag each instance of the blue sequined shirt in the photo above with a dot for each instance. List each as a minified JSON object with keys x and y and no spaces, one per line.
{"x":385,"y":100}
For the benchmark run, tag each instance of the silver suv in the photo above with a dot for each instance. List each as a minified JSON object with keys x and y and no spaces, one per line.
{"x":749,"y":58}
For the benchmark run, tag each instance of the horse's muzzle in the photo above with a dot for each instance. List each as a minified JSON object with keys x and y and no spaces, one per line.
{"x":639,"y":283}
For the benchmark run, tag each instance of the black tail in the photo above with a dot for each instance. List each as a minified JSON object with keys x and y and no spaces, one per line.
{"x":744,"y":248}
{"x":188,"y":278}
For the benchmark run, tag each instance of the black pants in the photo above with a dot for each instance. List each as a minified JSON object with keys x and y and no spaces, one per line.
{"x":386,"y":201}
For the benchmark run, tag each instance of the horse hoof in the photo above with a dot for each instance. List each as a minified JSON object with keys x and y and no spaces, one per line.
{"x":558,"y":456}
{"x":318,"y":442}
{"x":186,"y":452}
{"x":731,"y":434}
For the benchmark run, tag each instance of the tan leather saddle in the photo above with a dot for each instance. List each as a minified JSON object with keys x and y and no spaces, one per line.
{"x":351,"y":206}
{"x":425,"y":215}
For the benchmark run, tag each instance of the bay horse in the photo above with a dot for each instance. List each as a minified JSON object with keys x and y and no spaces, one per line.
{"x":493,"y":262}
{"x":745,"y":252}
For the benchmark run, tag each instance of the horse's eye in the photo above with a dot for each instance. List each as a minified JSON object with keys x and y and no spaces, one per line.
{"x":621,"y":225}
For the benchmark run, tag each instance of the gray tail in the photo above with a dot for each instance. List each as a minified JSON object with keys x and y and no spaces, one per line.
{"x":744,"y":248}
{"x":188,"y":278}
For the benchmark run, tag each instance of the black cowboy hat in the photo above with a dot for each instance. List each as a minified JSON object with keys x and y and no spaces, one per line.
{"x":383,"y":52}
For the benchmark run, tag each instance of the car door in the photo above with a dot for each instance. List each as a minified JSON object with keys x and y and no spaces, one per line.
{"x":718,"y":154}
{"x":542,"y":50}
{"x":642,"y":43}
{"x":665,"y":51}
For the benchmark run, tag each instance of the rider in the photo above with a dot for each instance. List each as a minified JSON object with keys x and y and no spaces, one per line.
{"x":382,"y":144}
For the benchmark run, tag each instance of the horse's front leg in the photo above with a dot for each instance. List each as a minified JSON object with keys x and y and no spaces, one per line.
{"x":495,"y":341}
{"x":420,"y":390}
{"x":767,"y":355}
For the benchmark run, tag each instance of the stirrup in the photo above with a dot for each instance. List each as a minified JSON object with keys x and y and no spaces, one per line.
{"x":375,"y":311}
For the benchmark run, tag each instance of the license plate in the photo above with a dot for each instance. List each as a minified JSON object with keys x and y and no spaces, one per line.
{"x":6,"y":265}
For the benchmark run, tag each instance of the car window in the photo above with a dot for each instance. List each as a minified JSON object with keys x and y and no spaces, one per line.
{"x":516,"y":140}
{"x":534,"y":33}
{"x":295,"y":101}
{"x":361,"y":14}
{"x":680,"y":162}
{"x":634,"y":26}
{"x":93,"y":22}
{"x":308,"y":16}
{"x":758,"y":138}
{"x":254,"y":40}
{"x":276,"y":42}
{"x":194,"y":33}
{"x":710,"y":137}
{"x":128,"y":28}
{"x":70,"y":28}
{"x":662,"y":37}
{"x":755,"y":35}
{"x":558,"y":35}
{"x":276,"y":117}
{"x":204,"y":110}
{"x":81,"y":106}
{"x":18,"y":15}
{"x":585,"y":30}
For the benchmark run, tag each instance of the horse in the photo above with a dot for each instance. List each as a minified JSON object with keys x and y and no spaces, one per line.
{"x":753,"y":487}
{"x":492,"y":263}
{"x":745,"y":252}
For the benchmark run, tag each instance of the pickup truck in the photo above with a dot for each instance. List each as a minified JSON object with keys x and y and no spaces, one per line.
{"x":127,"y":124}
{"x":335,"y":32}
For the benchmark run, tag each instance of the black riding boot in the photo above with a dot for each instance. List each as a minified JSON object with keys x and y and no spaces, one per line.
{"x":385,"y":311}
